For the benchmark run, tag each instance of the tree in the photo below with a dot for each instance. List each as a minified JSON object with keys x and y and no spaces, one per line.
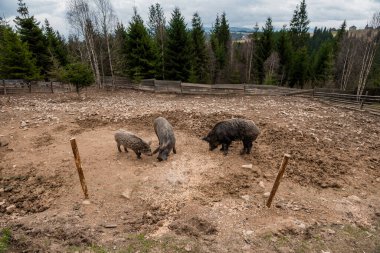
{"x":78,"y":74}
{"x":106,"y":18}
{"x":220,"y":41}
{"x":30,"y":33}
{"x":299,"y":26}
{"x":16,"y":61}
{"x":265,"y":48}
{"x":199,"y":65}
{"x":120,"y":50}
{"x":140,"y":53}
{"x":285,"y":55}
{"x":299,"y":37}
{"x":156,"y":25}
{"x":81,"y":18}
{"x":178,"y":58}
{"x":56,"y":45}
{"x":322,"y":68}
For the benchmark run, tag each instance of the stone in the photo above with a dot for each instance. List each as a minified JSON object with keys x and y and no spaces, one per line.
{"x":247,"y":166}
{"x":86,"y":202}
{"x":188,"y":247}
{"x":261,"y":184}
{"x":1,"y":190}
{"x":266,"y":194}
{"x":10,"y":208}
{"x":23,"y":124}
{"x":245,"y":197}
{"x":110,"y":225}
{"x":127,"y":193}
{"x":354,"y":198}
{"x":285,"y":250}
{"x":2,"y":203}
{"x":3,"y":142}
{"x":330,"y":231}
{"x":378,"y":179}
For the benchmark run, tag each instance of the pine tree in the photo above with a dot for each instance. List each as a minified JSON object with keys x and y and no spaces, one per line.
{"x":299,"y":26}
{"x":157,"y":30}
{"x":220,"y":40}
{"x":56,"y":45}
{"x":322,"y":68}
{"x":178,"y":54}
{"x":140,"y":53}
{"x":200,"y":62}
{"x":285,"y":53}
{"x":16,"y":61}
{"x":265,"y":48}
{"x":120,"y":51}
{"x":30,"y":32}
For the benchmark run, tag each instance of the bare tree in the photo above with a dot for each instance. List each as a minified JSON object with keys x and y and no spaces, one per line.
{"x":271,"y":66}
{"x":107,"y":23}
{"x":371,"y":41}
{"x":81,"y":20}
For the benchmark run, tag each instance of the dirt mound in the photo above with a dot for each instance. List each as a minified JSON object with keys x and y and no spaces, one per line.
{"x":29,"y":193}
{"x":91,"y":122}
{"x":194,"y":226}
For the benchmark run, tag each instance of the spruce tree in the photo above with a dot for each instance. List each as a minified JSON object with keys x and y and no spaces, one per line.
{"x":285,"y":53}
{"x":56,"y":44}
{"x":157,"y":30}
{"x":16,"y":61}
{"x":30,"y":32}
{"x":299,"y":26}
{"x":199,"y":66}
{"x":265,"y":48}
{"x":220,"y":40}
{"x":178,"y":54}
{"x":140,"y":53}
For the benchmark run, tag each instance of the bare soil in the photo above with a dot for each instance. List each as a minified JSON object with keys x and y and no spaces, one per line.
{"x":198,"y":200}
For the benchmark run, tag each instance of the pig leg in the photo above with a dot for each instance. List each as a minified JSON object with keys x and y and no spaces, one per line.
{"x":126,"y":150}
{"x":138,"y":153}
{"x":174,"y":150}
{"x":156,"y":150}
{"x":225,"y":147}
{"x":245,"y":147}
{"x":118,"y":147}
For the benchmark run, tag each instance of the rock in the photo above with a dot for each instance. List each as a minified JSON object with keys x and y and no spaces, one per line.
{"x":86,"y":202}
{"x":330,"y":231}
{"x":248,"y":232}
{"x":3,"y":142}
{"x":245,"y":197}
{"x":127,"y":193}
{"x":247,"y":166}
{"x":378,"y":179}
{"x":188,"y":247}
{"x":266,"y":194}
{"x":2,"y":203}
{"x":10,"y":208}
{"x":285,"y":250}
{"x":23,"y":124}
{"x":1,"y":190}
{"x":261,"y":184}
{"x":110,"y":225}
{"x":354,"y":198}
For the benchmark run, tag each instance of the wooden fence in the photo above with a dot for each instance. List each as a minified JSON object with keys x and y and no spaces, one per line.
{"x":16,"y":86}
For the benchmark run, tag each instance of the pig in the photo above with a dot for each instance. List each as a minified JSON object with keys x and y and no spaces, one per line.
{"x":166,"y":138}
{"x":129,"y":140}
{"x":224,"y":132}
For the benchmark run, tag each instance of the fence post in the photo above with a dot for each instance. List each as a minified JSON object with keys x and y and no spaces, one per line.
{"x":30,"y":87}
{"x":313,"y":93}
{"x":5,"y":88}
{"x":362,"y":100}
{"x":51,"y":87}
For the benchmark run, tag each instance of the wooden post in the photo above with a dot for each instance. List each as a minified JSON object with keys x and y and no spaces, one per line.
{"x":5,"y":88}
{"x":51,"y":87}
{"x":79,"y":166}
{"x":30,"y":87}
{"x":362,"y":100}
{"x":278,"y":178}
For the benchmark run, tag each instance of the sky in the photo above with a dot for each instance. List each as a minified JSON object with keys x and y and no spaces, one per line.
{"x":240,"y":13}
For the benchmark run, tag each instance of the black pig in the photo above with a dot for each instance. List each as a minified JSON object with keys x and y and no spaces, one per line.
{"x":226,"y":131}
{"x":165,"y":134}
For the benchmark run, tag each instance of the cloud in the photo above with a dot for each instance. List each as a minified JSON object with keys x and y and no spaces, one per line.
{"x":245,"y":13}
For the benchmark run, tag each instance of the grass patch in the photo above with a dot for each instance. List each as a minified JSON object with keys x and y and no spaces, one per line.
{"x":5,"y":238}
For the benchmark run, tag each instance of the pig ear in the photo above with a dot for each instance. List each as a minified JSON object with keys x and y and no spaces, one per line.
{"x":149,"y":143}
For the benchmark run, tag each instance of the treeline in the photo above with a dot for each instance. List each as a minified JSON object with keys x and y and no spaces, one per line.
{"x":100,"y":46}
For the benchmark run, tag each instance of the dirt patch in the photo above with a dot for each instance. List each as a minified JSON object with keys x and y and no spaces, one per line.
{"x":194,"y":226}
{"x":28,"y":192}
{"x":43,"y":140}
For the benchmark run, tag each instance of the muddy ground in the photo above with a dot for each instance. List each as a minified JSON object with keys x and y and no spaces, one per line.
{"x":198,"y":200}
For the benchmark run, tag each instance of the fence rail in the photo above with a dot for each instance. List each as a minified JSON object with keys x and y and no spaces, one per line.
{"x":347,"y":99}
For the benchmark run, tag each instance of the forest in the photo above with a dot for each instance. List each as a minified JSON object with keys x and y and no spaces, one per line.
{"x":99,"y":46}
